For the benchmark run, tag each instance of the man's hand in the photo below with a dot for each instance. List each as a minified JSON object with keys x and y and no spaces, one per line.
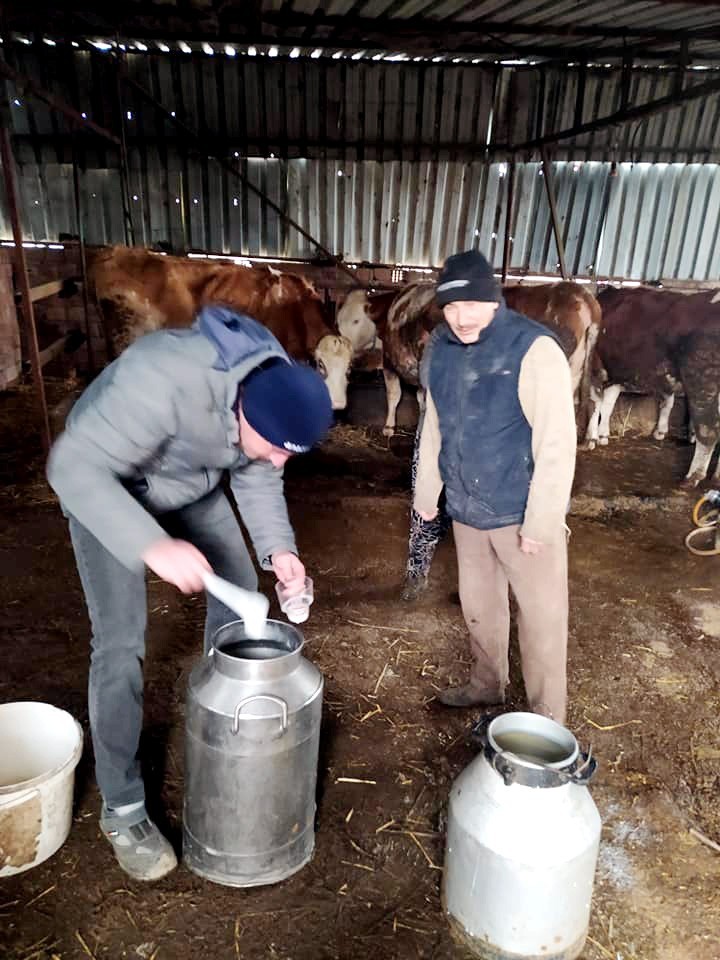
{"x":177,"y":562}
{"x":427,"y":515}
{"x":290,"y":571}
{"x":529,"y":546}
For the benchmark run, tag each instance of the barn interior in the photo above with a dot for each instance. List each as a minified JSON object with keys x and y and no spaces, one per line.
{"x":359,"y":143}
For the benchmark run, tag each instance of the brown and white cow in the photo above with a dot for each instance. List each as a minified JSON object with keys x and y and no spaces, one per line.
{"x":662,"y":343}
{"x":138,"y":291}
{"x":403,"y":320}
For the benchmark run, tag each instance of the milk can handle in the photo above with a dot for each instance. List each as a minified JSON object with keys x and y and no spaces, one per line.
{"x":262,"y":696}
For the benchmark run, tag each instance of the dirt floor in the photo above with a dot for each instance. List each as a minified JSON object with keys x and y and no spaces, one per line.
{"x":645,"y":691}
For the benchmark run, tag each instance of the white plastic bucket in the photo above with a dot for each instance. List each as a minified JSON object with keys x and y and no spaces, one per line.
{"x":40,"y":747}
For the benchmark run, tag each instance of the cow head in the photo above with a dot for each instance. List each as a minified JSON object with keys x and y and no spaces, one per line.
{"x":355,"y":324}
{"x":333,"y":356}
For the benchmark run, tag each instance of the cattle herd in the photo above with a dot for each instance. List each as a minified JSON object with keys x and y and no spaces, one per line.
{"x":641,"y":340}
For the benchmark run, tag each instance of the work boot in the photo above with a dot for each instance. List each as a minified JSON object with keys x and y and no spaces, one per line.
{"x":141,"y":850}
{"x":470,"y":696}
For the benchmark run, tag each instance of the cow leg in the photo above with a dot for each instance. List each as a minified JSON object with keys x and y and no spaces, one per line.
{"x":591,"y":435}
{"x":609,"y":399}
{"x":700,"y":463}
{"x":663,"y":421}
{"x":393,"y":393}
{"x":700,"y":375}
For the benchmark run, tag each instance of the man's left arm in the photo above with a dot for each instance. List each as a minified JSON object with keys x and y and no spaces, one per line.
{"x":545,"y":392}
{"x":259,"y":492}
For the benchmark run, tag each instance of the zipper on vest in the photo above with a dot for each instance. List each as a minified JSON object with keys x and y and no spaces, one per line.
{"x":461,"y":410}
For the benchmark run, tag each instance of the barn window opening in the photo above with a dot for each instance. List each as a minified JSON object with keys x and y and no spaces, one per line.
{"x":163,"y":47}
{"x":142,"y":47}
{"x":273,"y":52}
{"x":230,"y":51}
{"x":49,"y":42}
{"x":252,"y":51}
{"x":206,"y":48}
{"x":316,"y":53}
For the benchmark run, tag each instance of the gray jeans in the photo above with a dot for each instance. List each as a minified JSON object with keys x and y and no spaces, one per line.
{"x":117,"y":604}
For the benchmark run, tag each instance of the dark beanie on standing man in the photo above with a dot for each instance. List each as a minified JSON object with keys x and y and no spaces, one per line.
{"x":468,"y":276}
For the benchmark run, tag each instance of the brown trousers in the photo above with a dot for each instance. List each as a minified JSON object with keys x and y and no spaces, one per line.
{"x":489,"y":561}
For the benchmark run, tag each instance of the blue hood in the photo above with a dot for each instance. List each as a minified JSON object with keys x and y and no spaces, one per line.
{"x":234,"y":335}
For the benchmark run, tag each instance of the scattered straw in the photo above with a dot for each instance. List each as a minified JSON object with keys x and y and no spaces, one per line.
{"x":433,"y":866}
{"x":385,"y":826}
{"x":371,"y":713}
{"x":238,"y":930}
{"x":406,"y":926}
{"x":611,"y":726}
{"x":706,"y":840}
{"x":381,"y":626}
{"x":40,"y":896}
{"x":380,"y":680}
{"x":359,"y":866}
{"x":355,"y":780}
{"x":349,"y":814}
{"x":86,"y":949}
{"x":601,"y":948}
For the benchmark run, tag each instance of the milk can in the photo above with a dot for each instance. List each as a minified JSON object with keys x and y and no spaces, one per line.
{"x":522,"y":843}
{"x":252,"y":732}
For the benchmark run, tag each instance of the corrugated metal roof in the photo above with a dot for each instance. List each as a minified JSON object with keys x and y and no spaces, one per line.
{"x":652,"y":31}
{"x":381,"y":162}
{"x":649,"y":222}
{"x":299,"y":107}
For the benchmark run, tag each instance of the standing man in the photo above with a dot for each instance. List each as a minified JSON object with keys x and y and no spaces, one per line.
{"x":499,"y":433}
{"x":138,"y":472}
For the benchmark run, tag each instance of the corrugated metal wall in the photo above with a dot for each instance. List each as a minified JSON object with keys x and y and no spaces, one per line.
{"x":394,"y":167}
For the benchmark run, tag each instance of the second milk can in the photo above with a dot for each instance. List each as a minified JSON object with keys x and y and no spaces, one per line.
{"x":252,"y":733}
{"x":522,"y":843}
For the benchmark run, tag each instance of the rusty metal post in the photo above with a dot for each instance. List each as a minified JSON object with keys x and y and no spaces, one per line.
{"x":550,"y":188}
{"x":128,"y":224}
{"x":26,"y":307}
{"x":83,"y":261}
{"x":507,"y":250}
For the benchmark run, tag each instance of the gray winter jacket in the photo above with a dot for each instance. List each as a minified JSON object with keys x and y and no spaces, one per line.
{"x":155,"y":432}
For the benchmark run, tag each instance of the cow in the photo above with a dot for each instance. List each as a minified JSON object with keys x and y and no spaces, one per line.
{"x":404,"y":319}
{"x":662,"y":343}
{"x":138,"y":291}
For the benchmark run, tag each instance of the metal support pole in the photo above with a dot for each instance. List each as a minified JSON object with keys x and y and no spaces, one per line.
{"x":83,"y":262}
{"x":26,"y":307}
{"x":128,"y":224}
{"x":232,"y":168}
{"x":550,"y":188}
{"x":507,"y":250}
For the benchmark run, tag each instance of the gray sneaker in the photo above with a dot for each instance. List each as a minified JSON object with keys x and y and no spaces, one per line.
{"x":141,"y":850}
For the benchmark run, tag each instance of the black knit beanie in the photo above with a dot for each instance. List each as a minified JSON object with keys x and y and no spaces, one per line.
{"x":467,"y":276}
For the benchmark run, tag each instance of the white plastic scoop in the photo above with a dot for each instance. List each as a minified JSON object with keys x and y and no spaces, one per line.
{"x":250,"y":606}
